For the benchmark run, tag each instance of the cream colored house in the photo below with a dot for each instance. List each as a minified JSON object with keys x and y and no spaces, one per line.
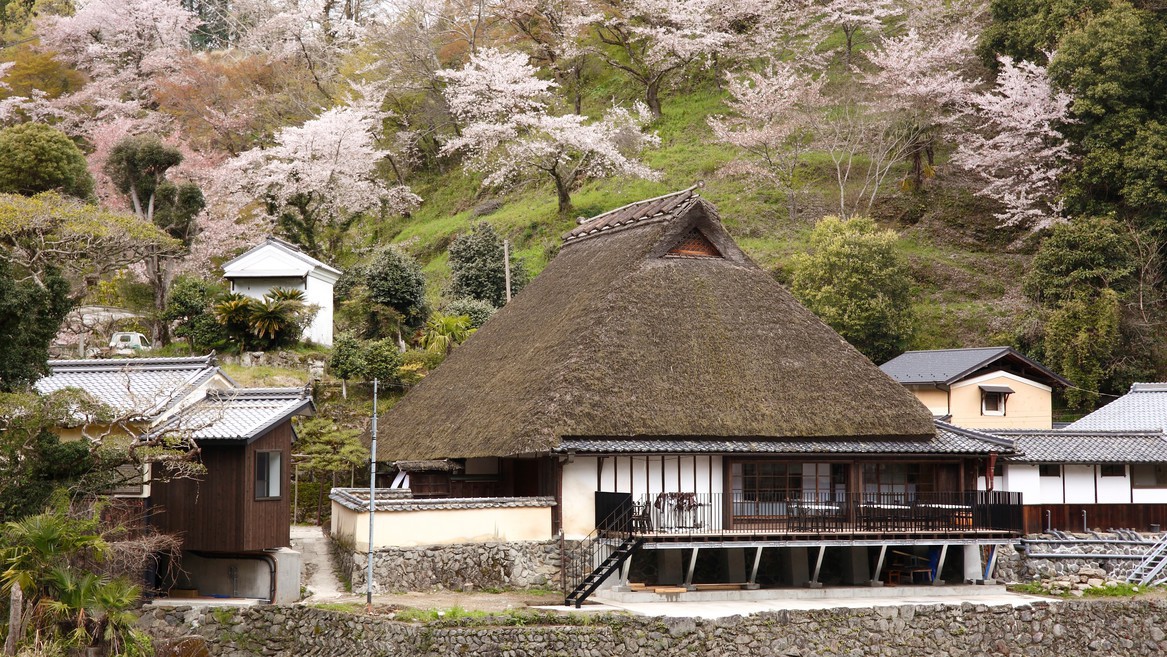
{"x":980,"y":388}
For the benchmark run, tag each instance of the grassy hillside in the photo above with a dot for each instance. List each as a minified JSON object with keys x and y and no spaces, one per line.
{"x":966,"y":271}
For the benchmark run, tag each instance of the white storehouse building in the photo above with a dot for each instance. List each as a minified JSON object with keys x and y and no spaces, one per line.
{"x":276,"y":263}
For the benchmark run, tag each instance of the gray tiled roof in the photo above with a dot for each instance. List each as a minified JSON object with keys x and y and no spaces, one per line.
{"x":1144,"y":408}
{"x":397,"y":499}
{"x":947,"y":366}
{"x":1065,"y":446}
{"x":940,"y":365}
{"x":949,"y":439}
{"x":238,"y":413}
{"x":141,"y":387}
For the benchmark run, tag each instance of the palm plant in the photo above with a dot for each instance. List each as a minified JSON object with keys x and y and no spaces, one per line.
{"x":93,"y":611}
{"x":271,"y":317}
{"x":38,"y":544}
{"x":444,"y":332}
{"x":234,"y":313}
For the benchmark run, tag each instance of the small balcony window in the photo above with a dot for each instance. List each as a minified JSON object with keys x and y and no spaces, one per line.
{"x":1113,"y":470}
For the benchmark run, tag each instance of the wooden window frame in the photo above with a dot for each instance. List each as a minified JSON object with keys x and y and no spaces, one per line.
{"x":1103,"y":467}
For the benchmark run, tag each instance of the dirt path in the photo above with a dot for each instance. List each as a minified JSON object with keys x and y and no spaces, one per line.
{"x":319,"y":578}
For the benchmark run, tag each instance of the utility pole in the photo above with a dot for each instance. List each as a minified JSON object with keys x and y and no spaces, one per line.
{"x":372,"y":505}
{"x":506,"y":263}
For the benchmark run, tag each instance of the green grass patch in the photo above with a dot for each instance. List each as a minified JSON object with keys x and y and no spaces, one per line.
{"x":265,"y":376}
{"x":342,"y":607}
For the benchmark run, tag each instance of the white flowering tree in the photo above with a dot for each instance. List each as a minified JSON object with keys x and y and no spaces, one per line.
{"x":774,"y":116}
{"x":652,"y":40}
{"x":319,"y":178}
{"x":1016,"y":147}
{"x":509,"y":131}
{"x":852,"y":17}
{"x":918,"y":80}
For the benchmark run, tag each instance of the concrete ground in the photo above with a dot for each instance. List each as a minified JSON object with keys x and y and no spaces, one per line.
{"x":839,"y":598}
{"x":319,"y":578}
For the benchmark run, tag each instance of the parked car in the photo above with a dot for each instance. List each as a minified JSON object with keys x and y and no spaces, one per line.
{"x":125,"y":343}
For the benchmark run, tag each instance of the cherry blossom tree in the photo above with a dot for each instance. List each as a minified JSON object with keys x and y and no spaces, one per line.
{"x":854,"y":16}
{"x":121,"y":43}
{"x":651,"y":40}
{"x":774,"y":115}
{"x":550,"y":29}
{"x":1016,"y":146}
{"x":319,"y":178}
{"x":510,"y":132}
{"x":918,"y":79}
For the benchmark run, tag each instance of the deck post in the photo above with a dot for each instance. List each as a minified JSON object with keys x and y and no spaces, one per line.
{"x":753,"y":583}
{"x":692,"y":567}
{"x":814,"y":582}
{"x":936,"y":581}
{"x":624,"y":570}
{"x":875,"y":580}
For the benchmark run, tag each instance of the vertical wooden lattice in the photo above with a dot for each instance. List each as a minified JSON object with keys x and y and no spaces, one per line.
{"x":694,"y":245}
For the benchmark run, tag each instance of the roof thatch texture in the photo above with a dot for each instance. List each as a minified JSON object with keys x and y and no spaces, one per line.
{"x":615,"y":338}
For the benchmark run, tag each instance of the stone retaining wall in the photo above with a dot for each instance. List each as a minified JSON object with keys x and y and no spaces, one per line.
{"x":1013,"y":566}
{"x":464,"y":566}
{"x":1112,"y":628}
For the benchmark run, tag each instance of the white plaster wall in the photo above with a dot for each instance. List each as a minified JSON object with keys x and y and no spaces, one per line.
{"x":319,"y":294}
{"x":255,"y":288}
{"x":1051,"y":490}
{"x":1024,"y":479}
{"x":1113,"y":490}
{"x":1079,"y":484}
{"x":1150,"y":495}
{"x":579,"y":497}
{"x":443,"y":526}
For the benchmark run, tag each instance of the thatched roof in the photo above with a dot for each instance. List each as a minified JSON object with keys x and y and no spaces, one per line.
{"x":619,"y":338}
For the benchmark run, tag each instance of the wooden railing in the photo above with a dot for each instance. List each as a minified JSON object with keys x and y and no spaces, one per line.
{"x":851,"y":513}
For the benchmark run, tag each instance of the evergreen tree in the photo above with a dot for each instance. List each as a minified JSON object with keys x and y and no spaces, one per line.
{"x":35,"y":158}
{"x":30,"y":316}
{"x":477,"y":268}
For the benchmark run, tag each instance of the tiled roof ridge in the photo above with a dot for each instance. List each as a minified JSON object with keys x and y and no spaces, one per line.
{"x":260,"y":393}
{"x":975,"y":433}
{"x":932,"y":351}
{"x":599,"y":223}
{"x":1116,"y":433}
{"x":1149,"y":387}
{"x":122,"y":364}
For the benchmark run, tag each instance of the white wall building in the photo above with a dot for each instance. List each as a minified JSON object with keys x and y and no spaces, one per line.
{"x":276,"y":263}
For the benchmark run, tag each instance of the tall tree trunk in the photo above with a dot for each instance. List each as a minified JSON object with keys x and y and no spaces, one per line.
{"x":15,"y":606}
{"x":319,"y":499}
{"x":563,"y":193}
{"x":652,"y":97}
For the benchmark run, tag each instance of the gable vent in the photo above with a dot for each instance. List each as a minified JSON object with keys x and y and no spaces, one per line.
{"x":694,"y":245}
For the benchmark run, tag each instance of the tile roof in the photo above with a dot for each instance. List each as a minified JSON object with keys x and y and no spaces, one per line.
{"x":1066,"y":446}
{"x":1144,"y":408}
{"x":949,"y":439}
{"x":397,"y":499}
{"x":239,"y":413}
{"x":141,"y":387}
{"x":947,"y":366}
{"x":669,"y":205}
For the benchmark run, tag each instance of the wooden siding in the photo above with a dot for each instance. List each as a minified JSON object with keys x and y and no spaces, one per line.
{"x":1068,"y":517}
{"x":220,"y":513}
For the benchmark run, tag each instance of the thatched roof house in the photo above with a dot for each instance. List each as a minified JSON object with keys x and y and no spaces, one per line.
{"x":650,"y":322}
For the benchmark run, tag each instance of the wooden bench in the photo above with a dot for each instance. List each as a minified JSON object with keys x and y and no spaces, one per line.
{"x":670,"y":590}
{"x":719,"y":587}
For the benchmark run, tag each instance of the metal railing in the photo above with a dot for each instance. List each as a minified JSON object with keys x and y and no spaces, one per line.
{"x":595,"y":550}
{"x":680,"y":513}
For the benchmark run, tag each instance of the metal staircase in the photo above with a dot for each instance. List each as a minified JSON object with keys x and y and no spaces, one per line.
{"x":1150,"y":569}
{"x":610,"y":564}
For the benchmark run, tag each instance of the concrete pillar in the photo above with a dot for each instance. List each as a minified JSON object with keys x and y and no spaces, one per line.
{"x":855,"y":568}
{"x":669,"y":567}
{"x":973,"y":568}
{"x":735,"y":564}
{"x":796,"y":565}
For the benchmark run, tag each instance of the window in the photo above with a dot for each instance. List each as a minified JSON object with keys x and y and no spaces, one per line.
{"x":764,"y":487}
{"x":1113,"y":470}
{"x":992,"y":403}
{"x":268,"y":475}
{"x":1149,"y":475}
{"x":694,"y":245}
{"x":1049,"y":470}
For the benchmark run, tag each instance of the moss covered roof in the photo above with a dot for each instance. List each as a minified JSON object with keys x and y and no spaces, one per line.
{"x":619,"y":338}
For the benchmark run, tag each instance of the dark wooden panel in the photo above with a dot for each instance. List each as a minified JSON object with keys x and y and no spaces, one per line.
{"x":267,"y":523}
{"x":1068,"y":517}
{"x":207,"y":513}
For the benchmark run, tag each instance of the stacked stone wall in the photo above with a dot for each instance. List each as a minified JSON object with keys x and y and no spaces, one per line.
{"x":1077,"y":627}
{"x":463,"y":566}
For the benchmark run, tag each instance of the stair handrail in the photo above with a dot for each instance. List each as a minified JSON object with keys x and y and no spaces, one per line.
{"x":1152,"y":564}
{"x":580,"y":561}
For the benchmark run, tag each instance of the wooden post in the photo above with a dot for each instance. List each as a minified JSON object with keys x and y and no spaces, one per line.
{"x":506,"y":263}
{"x":15,"y":604}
